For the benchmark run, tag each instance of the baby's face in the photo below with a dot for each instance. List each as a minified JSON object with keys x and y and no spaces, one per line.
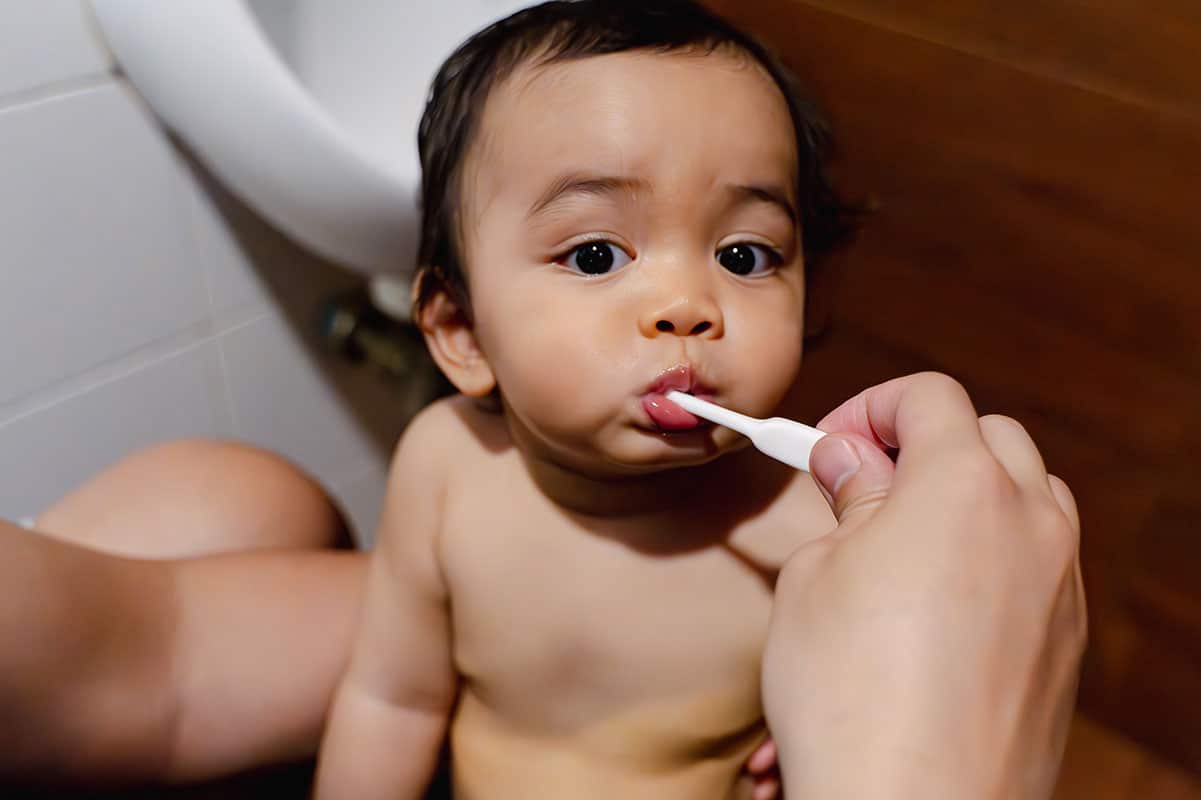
{"x":629,"y":227}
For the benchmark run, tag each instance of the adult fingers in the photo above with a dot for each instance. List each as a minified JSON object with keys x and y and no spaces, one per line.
{"x":767,"y":788}
{"x":922,"y":413}
{"x":853,"y":472}
{"x":764,"y":770}
{"x":764,"y":757}
{"x":1067,"y":503}
{"x":1012,"y":446}
{"x":1081,"y":605}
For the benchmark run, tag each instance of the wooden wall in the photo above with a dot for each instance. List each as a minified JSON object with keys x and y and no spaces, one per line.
{"x":1037,"y":173}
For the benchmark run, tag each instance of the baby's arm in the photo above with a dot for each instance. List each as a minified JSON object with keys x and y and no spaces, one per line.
{"x":390,"y":713}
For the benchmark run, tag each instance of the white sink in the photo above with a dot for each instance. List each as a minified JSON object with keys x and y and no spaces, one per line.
{"x":306,"y":109}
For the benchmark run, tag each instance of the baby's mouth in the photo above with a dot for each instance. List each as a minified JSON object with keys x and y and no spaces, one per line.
{"x":666,"y":415}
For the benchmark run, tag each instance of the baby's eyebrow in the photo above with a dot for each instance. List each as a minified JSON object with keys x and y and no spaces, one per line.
{"x":577,"y":183}
{"x":587,"y":184}
{"x":755,"y":193}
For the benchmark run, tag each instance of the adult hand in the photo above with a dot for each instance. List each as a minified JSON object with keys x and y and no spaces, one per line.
{"x":930,"y":645}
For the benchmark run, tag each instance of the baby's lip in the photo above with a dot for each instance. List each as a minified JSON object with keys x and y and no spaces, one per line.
{"x":666,"y":415}
{"x":680,"y":378}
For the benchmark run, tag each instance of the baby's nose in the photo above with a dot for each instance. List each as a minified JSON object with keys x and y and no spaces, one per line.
{"x":684,"y":316}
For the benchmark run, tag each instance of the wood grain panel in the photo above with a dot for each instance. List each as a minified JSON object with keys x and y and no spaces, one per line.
{"x":1100,"y":765}
{"x":1037,"y":234}
{"x":1140,"y":51}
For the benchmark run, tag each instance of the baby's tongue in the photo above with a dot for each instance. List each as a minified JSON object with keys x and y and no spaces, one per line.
{"x":667,"y":415}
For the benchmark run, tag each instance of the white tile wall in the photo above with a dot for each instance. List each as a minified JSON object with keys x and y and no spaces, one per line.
{"x":131,"y":310}
{"x":95,"y":248}
{"x":234,"y":283}
{"x":47,"y":41}
{"x":283,"y":404}
{"x":47,"y":452}
{"x":362,"y":498}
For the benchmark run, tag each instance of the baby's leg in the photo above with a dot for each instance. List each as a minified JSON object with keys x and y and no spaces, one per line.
{"x":193,"y":497}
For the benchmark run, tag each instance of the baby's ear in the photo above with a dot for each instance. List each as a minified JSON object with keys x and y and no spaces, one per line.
{"x":451,"y":341}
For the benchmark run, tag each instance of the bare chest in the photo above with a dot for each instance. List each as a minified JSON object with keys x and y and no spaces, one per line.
{"x":564,"y":631}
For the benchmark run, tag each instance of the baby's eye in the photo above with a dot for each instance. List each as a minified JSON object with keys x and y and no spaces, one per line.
{"x":745,"y":258}
{"x":596,"y":258}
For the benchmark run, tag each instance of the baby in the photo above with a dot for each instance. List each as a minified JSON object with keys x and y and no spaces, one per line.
{"x":573,"y":575}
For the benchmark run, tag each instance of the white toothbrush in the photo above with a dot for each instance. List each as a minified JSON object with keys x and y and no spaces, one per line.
{"x":782,"y":439}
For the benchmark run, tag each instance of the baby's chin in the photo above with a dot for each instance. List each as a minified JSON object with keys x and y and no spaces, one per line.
{"x":657,"y":451}
{"x":620,"y":449}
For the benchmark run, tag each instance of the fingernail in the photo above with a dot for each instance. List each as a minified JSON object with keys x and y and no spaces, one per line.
{"x":838,"y":462}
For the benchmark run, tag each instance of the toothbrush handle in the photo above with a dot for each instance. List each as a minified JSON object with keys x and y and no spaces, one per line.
{"x":715,"y":413}
{"x":741,"y":423}
{"x":783,"y":439}
{"x":786,"y":440}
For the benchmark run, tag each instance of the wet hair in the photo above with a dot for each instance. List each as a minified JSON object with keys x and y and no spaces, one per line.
{"x":564,"y":30}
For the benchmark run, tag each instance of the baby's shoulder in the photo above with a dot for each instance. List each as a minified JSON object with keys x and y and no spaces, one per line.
{"x":449,"y":434}
{"x":442,"y":441}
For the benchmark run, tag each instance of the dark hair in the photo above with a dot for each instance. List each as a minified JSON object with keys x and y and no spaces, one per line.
{"x":569,"y":29}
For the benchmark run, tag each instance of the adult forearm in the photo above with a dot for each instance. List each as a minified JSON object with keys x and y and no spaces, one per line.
{"x":122,"y":670}
{"x":85,"y":662}
{"x":263,"y":639}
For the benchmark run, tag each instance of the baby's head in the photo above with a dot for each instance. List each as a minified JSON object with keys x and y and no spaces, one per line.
{"x":615,"y":196}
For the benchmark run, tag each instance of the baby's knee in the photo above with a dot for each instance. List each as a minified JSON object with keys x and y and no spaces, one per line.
{"x":276,"y":503}
{"x":196,"y":496}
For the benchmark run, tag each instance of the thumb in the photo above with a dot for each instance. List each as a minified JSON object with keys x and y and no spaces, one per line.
{"x":853,"y":473}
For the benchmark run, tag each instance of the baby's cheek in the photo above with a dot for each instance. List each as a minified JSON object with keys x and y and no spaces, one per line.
{"x":571,"y":369}
{"x":569,"y":363}
{"x":777,"y":360}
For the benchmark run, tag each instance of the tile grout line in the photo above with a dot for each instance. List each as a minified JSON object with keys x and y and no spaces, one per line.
{"x":54,"y":90}
{"x":227,"y":387}
{"x":145,"y":357}
{"x":188,"y":195}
